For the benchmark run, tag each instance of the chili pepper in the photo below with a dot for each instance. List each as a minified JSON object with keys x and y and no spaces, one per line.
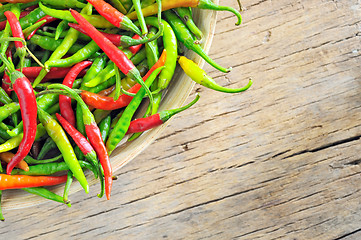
{"x":121,"y":40}
{"x":108,"y":103}
{"x":17,"y":32}
{"x":86,"y":52}
{"x":7,"y":156}
{"x":198,"y":75}
{"x":31,"y":160}
{"x":104,"y":75}
{"x":23,"y":181}
{"x":64,"y":3}
{"x":127,"y":4}
{"x":31,"y":18}
{"x":80,"y":140}
{"x":5,"y":44}
{"x":95,"y":68}
{"x":185,"y":14}
{"x":170,"y":45}
{"x":64,"y":47}
{"x":3,"y":23}
{"x":119,"y":6}
{"x":28,"y":108}
{"x":25,"y":6}
{"x":47,"y":146}
{"x":56,"y":132}
{"x":122,"y":125}
{"x":68,"y":183}
{"x":4,"y":97}
{"x":114,"y":54}
{"x":14,"y":142}
{"x":64,"y":101}
{"x":140,"y":16}
{"x":110,"y":82}
{"x":138,"y":57}
{"x":60,"y":29}
{"x":202,"y":4}
{"x":8,"y":109}
{"x":114,"y":16}
{"x":51,"y":44}
{"x":104,"y":127}
{"x":152,"y":51}
{"x":185,"y":36}
{"x":144,"y":3}
{"x":136,"y":48}
{"x":48,"y":19}
{"x":50,"y":169}
{"x":94,"y":136}
{"x":45,"y":193}
{"x":4,"y":134}
{"x":96,"y":20}
{"x":143,"y":124}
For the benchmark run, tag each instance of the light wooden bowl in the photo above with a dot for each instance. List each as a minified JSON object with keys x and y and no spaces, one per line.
{"x":177,"y":94}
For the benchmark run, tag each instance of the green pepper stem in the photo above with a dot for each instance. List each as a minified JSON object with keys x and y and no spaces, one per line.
{"x":166,"y":115}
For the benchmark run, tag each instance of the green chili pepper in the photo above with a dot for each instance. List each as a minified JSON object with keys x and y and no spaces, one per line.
{"x":138,"y":9}
{"x":62,"y":26}
{"x":185,"y":36}
{"x":185,"y":14}
{"x":8,"y":109}
{"x":23,"y":6}
{"x":118,"y":5}
{"x":56,"y":132}
{"x":51,"y":168}
{"x":47,"y":146}
{"x":32,"y":18}
{"x":86,"y":52}
{"x":96,"y":67}
{"x":45,"y":193}
{"x":68,"y":183}
{"x":152,"y":51}
{"x":31,"y":160}
{"x":104,"y":127}
{"x":170,"y":44}
{"x":4,"y":134}
{"x":122,"y":125}
{"x":64,"y":3}
{"x":139,"y":57}
{"x":4,"y":97}
{"x":96,"y":20}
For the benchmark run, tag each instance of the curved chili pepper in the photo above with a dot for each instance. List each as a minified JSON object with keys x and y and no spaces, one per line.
{"x":56,"y":132}
{"x":48,"y":19}
{"x":122,"y":125}
{"x":31,"y":18}
{"x":202,"y":4}
{"x":8,"y":109}
{"x":144,"y":124}
{"x":80,"y":140}
{"x":185,"y":36}
{"x":23,"y":181}
{"x":185,"y":14}
{"x":3,"y":23}
{"x":114,"y":54}
{"x":49,"y":43}
{"x":108,"y":103}
{"x":17,"y":32}
{"x":64,"y":101}
{"x":7,"y":156}
{"x":94,"y":136}
{"x":28,"y":107}
{"x":114,"y":16}
{"x":198,"y":75}
{"x":45,"y":193}
{"x":47,"y":146}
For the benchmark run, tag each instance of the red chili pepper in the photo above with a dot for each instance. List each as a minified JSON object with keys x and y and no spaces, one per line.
{"x":32,"y":72}
{"x":17,"y":32}
{"x":108,"y":103}
{"x":23,"y":181}
{"x":114,"y":38}
{"x":115,"y":17}
{"x":116,"y":55}
{"x":79,"y":139}
{"x":48,"y":19}
{"x":64,"y":101}
{"x":3,"y":23}
{"x":28,"y":107}
{"x":143,"y":124}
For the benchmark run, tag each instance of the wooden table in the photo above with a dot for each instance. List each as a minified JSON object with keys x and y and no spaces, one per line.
{"x":280,"y":161}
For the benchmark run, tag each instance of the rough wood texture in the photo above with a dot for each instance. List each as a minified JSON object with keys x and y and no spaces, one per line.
{"x":281,"y":161}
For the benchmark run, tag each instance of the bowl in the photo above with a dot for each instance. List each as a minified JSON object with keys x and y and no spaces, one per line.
{"x":177,"y":93}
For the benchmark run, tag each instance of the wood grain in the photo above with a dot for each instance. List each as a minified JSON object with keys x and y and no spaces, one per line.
{"x":280,"y":161}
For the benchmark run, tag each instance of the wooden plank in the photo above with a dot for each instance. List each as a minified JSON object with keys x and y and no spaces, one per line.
{"x":280,"y":161}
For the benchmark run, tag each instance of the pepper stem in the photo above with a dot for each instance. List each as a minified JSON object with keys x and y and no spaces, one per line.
{"x":208,"y":4}
{"x":166,"y":115}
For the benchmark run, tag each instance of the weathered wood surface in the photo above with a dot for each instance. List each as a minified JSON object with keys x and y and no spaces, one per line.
{"x":281,"y":161}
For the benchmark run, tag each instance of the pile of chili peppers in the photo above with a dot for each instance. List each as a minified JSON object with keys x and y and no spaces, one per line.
{"x":74,"y":73}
